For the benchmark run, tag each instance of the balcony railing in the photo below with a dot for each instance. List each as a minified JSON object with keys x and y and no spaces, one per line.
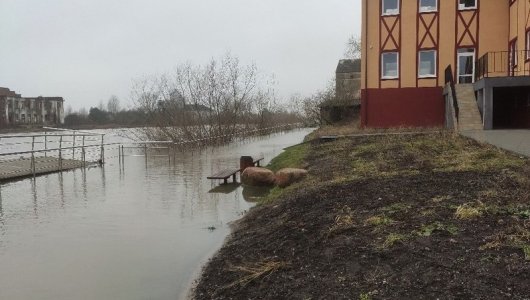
{"x":503,"y":63}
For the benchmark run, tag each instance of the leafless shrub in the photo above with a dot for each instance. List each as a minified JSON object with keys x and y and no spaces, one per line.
{"x":210,"y":102}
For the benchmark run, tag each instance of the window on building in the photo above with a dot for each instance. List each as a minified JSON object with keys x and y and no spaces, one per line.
{"x":390,"y":65}
{"x":390,"y":7}
{"x":467,"y":4}
{"x":428,"y":5}
{"x":427,"y":63}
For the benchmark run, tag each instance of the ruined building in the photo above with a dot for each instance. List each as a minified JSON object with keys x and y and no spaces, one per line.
{"x":18,"y":110}
{"x":347,"y":103}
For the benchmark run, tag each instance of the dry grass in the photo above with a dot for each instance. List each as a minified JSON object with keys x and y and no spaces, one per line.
{"x":255,"y":271}
{"x":515,"y":237}
{"x":378,"y":221}
{"x":468,"y":212}
{"x":343,"y":221}
{"x":393,"y":239}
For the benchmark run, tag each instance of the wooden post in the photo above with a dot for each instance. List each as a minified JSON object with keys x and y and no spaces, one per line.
{"x":83,"y":153}
{"x":45,"y":143}
{"x":122,"y":155}
{"x":174,"y":152}
{"x":61,"y":153}
{"x":73,"y":148}
{"x":102,"y":152}
{"x":145,"y":152}
{"x":33,"y":156}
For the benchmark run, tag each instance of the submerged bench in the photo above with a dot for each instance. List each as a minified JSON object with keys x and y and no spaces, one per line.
{"x":257,"y":161}
{"x":225,"y":174}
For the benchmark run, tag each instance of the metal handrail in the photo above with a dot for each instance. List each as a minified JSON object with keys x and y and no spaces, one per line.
{"x":503,"y":63}
{"x":44,"y":135}
{"x":73,"y":130}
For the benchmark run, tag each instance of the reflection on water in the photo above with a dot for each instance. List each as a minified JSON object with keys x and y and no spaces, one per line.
{"x":131,"y":231}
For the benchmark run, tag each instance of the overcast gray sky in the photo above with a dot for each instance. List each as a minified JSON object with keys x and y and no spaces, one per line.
{"x":87,"y":50}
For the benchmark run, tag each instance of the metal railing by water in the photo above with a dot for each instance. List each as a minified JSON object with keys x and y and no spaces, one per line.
{"x":32,"y":154}
{"x":57,"y":150}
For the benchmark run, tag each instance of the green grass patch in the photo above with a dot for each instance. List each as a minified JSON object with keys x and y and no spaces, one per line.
{"x":292,"y":157}
{"x":378,"y":221}
{"x":393,"y":239}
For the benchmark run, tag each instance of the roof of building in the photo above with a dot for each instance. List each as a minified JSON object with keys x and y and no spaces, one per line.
{"x":7,"y":92}
{"x":349,"y":66}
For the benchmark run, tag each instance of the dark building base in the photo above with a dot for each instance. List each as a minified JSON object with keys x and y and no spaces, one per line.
{"x":403,"y":107}
{"x":504,"y":102}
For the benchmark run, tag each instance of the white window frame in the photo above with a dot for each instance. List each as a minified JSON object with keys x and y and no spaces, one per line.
{"x":383,"y":13}
{"x":463,"y":7}
{"x":383,"y":65}
{"x":427,"y":10}
{"x":435,"y":66}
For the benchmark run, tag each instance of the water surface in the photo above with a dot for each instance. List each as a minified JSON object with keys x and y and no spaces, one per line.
{"x":137,"y":232}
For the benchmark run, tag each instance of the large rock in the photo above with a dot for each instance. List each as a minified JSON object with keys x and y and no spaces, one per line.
{"x":286,"y":177}
{"x":254,"y":176}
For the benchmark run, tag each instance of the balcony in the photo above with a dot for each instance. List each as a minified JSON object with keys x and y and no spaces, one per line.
{"x":503,"y":64}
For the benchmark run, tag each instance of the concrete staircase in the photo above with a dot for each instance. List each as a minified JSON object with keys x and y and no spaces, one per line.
{"x":469,"y":115}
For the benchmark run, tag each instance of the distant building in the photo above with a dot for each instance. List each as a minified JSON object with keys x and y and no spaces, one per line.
{"x":348,"y":80}
{"x":347,"y":103}
{"x":18,"y":110}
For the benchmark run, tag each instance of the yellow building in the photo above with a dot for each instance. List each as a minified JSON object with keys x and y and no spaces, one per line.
{"x":414,"y":49}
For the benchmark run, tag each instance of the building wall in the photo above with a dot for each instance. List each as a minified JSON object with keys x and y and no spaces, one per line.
{"x":486,"y":29}
{"x":347,"y":85}
{"x":3,"y":111}
{"x":32,"y":111}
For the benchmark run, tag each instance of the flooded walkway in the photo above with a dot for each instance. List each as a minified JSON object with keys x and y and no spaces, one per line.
{"x":140,"y":231}
{"x":24,"y":167}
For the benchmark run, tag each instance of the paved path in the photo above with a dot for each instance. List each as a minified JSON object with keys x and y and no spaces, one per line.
{"x":517,"y":141}
{"x":12,"y":169}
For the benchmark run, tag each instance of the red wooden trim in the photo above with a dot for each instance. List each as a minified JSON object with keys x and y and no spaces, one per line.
{"x":477,"y":33}
{"x":475,"y":39}
{"x":427,"y":29}
{"x":383,"y":22}
{"x":417,"y":39}
{"x":390,"y":32}
{"x":434,"y":38}
{"x":438,"y":46}
{"x":400,"y":40}
{"x":467,"y":30}
{"x":379,"y":59}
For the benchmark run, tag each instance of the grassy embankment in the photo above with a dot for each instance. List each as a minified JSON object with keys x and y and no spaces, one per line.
{"x":385,"y":217}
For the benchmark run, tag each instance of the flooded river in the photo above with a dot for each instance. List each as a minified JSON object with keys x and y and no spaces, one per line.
{"x":138,"y":232}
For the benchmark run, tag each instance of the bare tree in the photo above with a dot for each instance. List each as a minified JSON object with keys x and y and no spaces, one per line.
{"x":309,"y":108}
{"x":113,"y":105}
{"x":214,"y":100}
{"x":101,"y":106}
{"x":353,"y":47}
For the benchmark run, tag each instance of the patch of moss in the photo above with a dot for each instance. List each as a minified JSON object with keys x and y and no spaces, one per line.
{"x":292,"y":157}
